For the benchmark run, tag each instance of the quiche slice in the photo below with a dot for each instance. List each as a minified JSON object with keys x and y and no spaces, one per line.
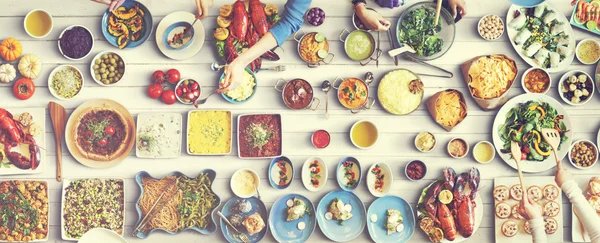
{"x":101,"y":133}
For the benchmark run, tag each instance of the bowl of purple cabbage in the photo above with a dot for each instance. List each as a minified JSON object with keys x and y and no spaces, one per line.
{"x":315,"y":16}
{"x":75,"y":42}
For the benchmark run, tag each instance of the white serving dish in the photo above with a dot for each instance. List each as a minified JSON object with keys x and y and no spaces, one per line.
{"x":352,"y":129}
{"x":101,"y":235}
{"x":565,"y":77}
{"x":232,"y":182}
{"x":571,"y":149}
{"x":238,"y":135}
{"x":435,"y":142}
{"x":65,"y":184}
{"x":63,"y":32}
{"x":39,"y":117}
{"x":501,"y":22}
{"x":577,"y":53}
{"x":188,"y":129}
{"x":525,"y":74}
{"x":306,"y":174}
{"x":458,"y":157}
{"x":100,"y":55}
{"x":40,"y":10}
{"x":48,"y":212}
{"x":143,"y":120}
{"x":61,"y":67}
{"x":388,"y":179}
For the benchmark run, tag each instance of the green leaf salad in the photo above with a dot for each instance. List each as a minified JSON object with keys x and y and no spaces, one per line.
{"x":417,"y":31}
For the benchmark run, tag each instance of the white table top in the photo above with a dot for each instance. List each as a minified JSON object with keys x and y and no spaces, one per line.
{"x":396,"y":141}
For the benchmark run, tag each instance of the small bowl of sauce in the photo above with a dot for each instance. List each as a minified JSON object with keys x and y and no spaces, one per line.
{"x":38,"y":23}
{"x":484,"y":152}
{"x":364,"y":134}
{"x":415,"y":170}
{"x":245,"y":183}
{"x":458,"y":148}
{"x":320,"y":139}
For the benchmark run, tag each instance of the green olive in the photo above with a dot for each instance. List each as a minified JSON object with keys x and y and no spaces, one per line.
{"x":103,"y":65}
{"x":121,"y":63}
{"x":103,"y":70}
{"x":98,"y":61}
{"x":104,"y":75}
{"x":111,"y":68}
{"x":104,"y":56}
{"x":110,"y":75}
{"x":98,"y":77}
{"x":113,"y":61}
{"x":106,"y":81}
{"x":96,"y":66}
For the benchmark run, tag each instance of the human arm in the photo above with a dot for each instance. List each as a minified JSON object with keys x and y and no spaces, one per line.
{"x":586,"y":214}
{"x":112,"y":4}
{"x":202,"y":7}
{"x":458,"y":7}
{"x":290,"y":22}
{"x":370,"y":18}
{"x":534,"y":216}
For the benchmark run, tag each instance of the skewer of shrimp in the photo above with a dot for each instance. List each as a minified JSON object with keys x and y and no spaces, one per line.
{"x":580,"y":7}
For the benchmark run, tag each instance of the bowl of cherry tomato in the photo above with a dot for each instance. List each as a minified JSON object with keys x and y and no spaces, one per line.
{"x":187,"y":91}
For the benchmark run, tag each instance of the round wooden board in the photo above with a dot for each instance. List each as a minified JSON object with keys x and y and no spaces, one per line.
{"x":70,"y":136}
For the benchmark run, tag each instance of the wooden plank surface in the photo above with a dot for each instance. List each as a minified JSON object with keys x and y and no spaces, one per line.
{"x":396,"y":144}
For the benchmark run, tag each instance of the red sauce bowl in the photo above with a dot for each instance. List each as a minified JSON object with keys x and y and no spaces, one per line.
{"x":415,"y":170}
{"x":320,"y":139}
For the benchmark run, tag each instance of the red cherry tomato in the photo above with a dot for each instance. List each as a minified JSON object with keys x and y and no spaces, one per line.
{"x":194,"y":86}
{"x":173,"y":76}
{"x":189,"y":96}
{"x":158,"y":76}
{"x":523,"y":156}
{"x":23,"y":89}
{"x":109,"y":130}
{"x":179,"y":91}
{"x":196,"y":93}
{"x":103,"y":142}
{"x":155,"y":90}
{"x":168,"y":97}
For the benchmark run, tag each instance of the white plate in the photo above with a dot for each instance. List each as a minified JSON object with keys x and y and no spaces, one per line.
{"x":531,"y":166}
{"x":146,"y":119}
{"x":189,"y":51}
{"x":512,"y":33}
{"x":522,"y":236}
{"x":101,"y":235}
{"x":39,"y":117}
{"x":65,"y":184}
{"x":47,"y":212}
{"x":306,"y":174}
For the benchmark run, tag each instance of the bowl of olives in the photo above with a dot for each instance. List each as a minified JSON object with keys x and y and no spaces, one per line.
{"x":107,"y":68}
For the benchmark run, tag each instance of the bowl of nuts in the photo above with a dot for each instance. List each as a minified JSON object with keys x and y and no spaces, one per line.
{"x":583,"y":154}
{"x":490,"y":27}
{"x":576,"y":87}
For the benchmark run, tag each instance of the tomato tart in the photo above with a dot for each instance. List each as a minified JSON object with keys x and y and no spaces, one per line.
{"x":101,"y":133}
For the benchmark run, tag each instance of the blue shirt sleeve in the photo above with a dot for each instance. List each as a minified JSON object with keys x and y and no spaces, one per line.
{"x":291,"y":20}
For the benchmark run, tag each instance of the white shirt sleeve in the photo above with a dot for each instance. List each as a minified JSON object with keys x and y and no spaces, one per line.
{"x":538,"y":231}
{"x":588,"y":216}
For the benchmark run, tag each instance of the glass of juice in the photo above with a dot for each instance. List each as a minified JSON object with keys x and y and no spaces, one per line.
{"x":38,"y":23}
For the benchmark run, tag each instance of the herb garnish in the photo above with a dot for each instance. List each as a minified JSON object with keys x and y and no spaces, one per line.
{"x":97,"y":128}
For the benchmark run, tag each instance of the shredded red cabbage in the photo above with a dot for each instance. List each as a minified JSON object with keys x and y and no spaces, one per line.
{"x":76,"y":42}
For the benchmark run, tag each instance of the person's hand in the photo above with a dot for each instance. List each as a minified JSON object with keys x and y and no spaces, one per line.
{"x":202,"y":7}
{"x":458,"y":6}
{"x":562,"y":175}
{"x":527,"y":209}
{"x":112,"y":4}
{"x":372,"y":19}
{"x":234,"y":73}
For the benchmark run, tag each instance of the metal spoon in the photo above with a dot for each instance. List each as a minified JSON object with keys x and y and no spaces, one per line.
{"x":216,"y":66}
{"x":202,"y":101}
{"x":325,"y":86}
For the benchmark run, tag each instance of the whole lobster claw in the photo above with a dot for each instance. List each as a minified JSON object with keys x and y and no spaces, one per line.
{"x":449,"y":178}
{"x":474,"y":178}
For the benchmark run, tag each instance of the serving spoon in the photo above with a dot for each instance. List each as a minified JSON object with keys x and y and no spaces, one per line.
{"x":326,"y":86}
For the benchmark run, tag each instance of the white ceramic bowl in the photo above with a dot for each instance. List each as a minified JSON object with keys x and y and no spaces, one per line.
{"x":564,"y":79}
{"x":458,"y":157}
{"x":61,"y":35}
{"x":491,"y":146}
{"x":236,"y":174}
{"x":435,"y":142}
{"x":589,"y":143}
{"x":306,"y":174}
{"x":501,"y":22}
{"x":352,"y":129}
{"x":61,"y":67}
{"x":529,"y":70}
{"x":179,"y":83}
{"x":38,"y":10}
{"x":577,"y":51}
{"x":388,"y":179}
{"x":94,"y":63}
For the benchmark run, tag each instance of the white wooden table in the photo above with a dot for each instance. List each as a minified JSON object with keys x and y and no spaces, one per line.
{"x":396,"y":141}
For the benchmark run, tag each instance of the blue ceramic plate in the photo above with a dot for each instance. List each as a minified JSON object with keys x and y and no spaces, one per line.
{"x":257,"y":206}
{"x":212,"y":225}
{"x":146,"y":27}
{"x":527,"y":3}
{"x":379,"y":207}
{"x":340,"y":172}
{"x":353,"y":227}
{"x":178,"y":28}
{"x":274,"y":173}
{"x":227,"y":98}
{"x":284,"y":231}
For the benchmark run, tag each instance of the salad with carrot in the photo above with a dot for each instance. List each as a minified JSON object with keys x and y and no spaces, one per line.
{"x":524,"y":124}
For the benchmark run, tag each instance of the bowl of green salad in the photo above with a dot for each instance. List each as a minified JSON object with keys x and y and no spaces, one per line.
{"x":416,"y":28}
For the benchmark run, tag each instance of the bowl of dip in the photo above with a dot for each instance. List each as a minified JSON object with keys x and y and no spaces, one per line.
{"x":359,"y":45}
{"x":174,"y":38}
{"x":364,"y":134}
{"x":458,"y":148}
{"x":588,"y":51}
{"x":320,"y":139}
{"x":245,"y":182}
{"x":425,"y":142}
{"x":38,"y":23}
{"x":484,"y":152}
{"x":415,"y":170}
{"x":536,"y":80}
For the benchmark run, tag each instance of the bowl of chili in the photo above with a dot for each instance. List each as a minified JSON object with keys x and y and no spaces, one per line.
{"x":297,"y":94}
{"x":415,"y":170}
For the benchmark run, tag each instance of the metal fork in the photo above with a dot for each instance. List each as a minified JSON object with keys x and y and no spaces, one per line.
{"x":552,"y":137}
{"x":279,"y":68}
{"x":243,"y":237}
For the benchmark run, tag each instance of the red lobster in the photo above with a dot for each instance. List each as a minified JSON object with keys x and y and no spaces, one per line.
{"x":258,"y":17}
{"x":446,"y":221}
{"x":239,"y":23}
{"x":463,"y":204}
{"x":12,"y":135}
{"x":429,"y":202}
